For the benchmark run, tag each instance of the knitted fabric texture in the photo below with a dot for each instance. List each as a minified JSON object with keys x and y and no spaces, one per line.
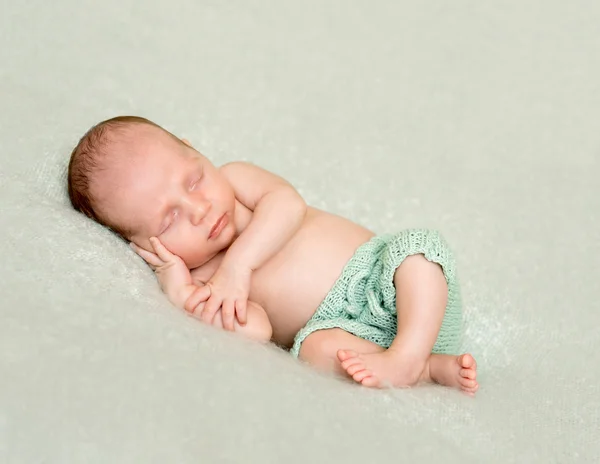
{"x":363,"y":299}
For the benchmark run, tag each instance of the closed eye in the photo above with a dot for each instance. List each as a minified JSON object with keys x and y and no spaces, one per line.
{"x":170,"y":220}
{"x":194,"y":183}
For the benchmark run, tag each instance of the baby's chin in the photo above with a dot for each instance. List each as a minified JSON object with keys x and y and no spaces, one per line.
{"x":193,"y":261}
{"x":194,"y":258}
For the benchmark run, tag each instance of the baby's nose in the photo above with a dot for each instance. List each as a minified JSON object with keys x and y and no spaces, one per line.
{"x":198,"y":211}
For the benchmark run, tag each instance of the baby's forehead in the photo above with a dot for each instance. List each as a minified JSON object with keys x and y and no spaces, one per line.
{"x":135,"y":136}
{"x":134,"y":148}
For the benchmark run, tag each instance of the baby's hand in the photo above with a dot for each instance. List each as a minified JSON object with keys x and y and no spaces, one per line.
{"x":172,"y":273}
{"x":229,"y":289}
{"x":197,"y":300}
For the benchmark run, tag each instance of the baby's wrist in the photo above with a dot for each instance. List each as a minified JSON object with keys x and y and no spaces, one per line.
{"x":237,"y":260}
{"x":181,"y":295}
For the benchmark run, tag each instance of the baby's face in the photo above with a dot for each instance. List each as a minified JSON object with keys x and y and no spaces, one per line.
{"x":170,"y":191}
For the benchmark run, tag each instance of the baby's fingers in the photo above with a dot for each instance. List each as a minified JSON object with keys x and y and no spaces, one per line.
{"x":147,"y":256}
{"x":228,"y":315}
{"x":210,"y":309}
{"x":199,"y":295}
{"x":240,"y":311}
{"x":160,"y":250}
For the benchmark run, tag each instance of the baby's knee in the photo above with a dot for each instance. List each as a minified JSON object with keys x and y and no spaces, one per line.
{"x":418,"y":261}
{"x":418,"y":267}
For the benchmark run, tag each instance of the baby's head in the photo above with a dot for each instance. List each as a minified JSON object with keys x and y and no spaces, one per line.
{"x":141,"y":181}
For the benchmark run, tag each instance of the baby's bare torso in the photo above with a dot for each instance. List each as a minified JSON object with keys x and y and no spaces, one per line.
{"x":292,"y":284}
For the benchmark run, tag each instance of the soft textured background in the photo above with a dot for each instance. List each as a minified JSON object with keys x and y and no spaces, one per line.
{"x":481,"y":119}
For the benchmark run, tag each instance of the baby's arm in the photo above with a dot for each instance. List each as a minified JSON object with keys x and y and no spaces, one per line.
{"x":257,"y":328}
{"x":184,"y":292}
{"x":278,"y":211}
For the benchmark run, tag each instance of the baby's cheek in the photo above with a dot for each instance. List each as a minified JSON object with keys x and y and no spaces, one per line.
{"x":187,"y":243}
{"x":174,"y":247}
{"x":191,"y":254}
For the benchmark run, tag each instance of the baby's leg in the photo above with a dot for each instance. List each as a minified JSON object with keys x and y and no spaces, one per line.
{"x":421,"y":297}
{"x":320,"y":349}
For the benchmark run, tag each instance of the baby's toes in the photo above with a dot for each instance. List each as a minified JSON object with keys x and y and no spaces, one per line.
{"x":361,"y":375}
{"x":471,"y":391}
{"x":344,"y":355}
{"x":352,"y":362}
{"x":370,"y":381}
{"x":467,"y":361}
{"x":355,"y":368}
{"x":468,"y":374}
{"x":467,"y":383}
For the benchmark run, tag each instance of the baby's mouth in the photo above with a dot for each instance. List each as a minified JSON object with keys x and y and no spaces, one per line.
{"x":219,"y":226}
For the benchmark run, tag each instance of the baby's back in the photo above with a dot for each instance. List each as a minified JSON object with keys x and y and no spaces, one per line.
{"x":292,"y":284}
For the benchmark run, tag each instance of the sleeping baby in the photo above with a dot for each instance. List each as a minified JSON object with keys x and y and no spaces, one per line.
{"x":237,"y":247}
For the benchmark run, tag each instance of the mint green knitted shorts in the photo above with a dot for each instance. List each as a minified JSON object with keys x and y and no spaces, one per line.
{"x":363,"y":299}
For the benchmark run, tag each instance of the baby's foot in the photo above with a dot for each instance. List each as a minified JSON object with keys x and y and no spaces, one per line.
{"x":454,"y":371}
{"x":381,"y":369}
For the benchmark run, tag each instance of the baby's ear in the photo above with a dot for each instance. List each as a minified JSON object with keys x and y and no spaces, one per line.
{"x":187,"y":142}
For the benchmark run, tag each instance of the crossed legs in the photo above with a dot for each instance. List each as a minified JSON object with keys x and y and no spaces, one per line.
{"x":421,"y":297}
